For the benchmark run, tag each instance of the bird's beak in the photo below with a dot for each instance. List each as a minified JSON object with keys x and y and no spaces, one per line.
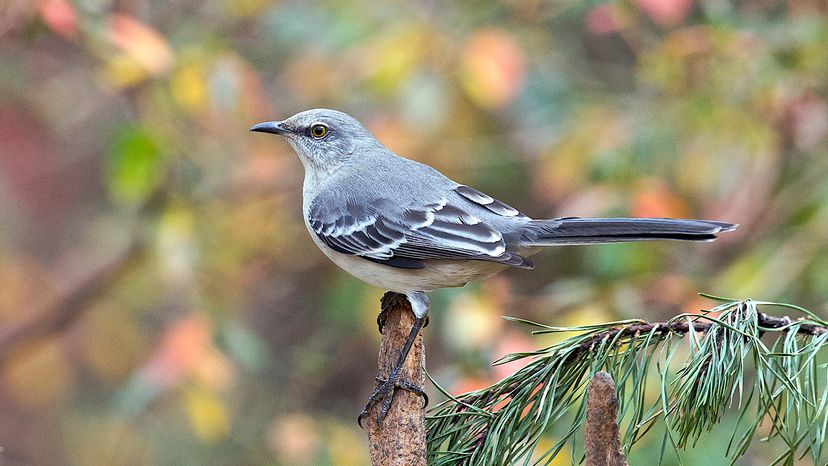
{"x":272,"y":127}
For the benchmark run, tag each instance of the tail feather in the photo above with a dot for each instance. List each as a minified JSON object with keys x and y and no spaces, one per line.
{"x":576,"y":230}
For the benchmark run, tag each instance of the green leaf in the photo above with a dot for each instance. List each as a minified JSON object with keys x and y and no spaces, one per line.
{"x":135,"y":165}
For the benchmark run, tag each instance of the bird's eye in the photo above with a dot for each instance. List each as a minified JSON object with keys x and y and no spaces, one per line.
{"x":319,"y":131}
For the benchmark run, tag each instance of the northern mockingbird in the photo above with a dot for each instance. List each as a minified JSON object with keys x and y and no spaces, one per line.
{"x":404,"y":226}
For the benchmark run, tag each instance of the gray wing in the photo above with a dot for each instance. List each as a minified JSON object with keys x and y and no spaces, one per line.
{"x":406,"y":236}
{"x":488,"y":202}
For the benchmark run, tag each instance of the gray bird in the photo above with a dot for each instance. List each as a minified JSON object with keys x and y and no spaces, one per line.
{"x":405,"y":227}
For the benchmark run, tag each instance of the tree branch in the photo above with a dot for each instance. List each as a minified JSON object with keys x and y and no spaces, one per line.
{"x":400,"y":440}
{"x":682,"y":326}
{"x":66,"y":309}
{"x":603,"y":446}
{"x":661,"y":328}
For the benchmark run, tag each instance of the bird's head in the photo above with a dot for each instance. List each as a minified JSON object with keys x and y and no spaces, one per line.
{"x":323,"y":139}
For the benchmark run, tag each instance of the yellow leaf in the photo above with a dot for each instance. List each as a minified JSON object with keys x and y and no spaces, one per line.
{"x":207,"y":413}
{"x":121,"y":71}
{"x":189,"y":88}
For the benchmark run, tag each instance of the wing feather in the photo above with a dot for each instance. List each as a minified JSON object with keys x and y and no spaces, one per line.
{"x":490,"y":203}
{"x":406,"y":237}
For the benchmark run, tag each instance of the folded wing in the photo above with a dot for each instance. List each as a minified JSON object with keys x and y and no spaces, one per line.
{"x":405,"y":237}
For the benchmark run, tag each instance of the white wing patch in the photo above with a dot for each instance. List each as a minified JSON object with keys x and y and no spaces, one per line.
{"x":360,"y":225}
{"x":484,"y":200}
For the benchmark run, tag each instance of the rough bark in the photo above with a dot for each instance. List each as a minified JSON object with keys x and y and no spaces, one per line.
{"x":400,"y":440}
{"x":603,"y":447}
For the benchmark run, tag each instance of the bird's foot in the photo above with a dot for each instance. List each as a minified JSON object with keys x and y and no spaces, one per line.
{"x":389,"y":300}
{"x":384,"y":392}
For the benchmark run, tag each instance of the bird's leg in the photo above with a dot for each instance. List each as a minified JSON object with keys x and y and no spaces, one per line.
{"x":387,"y":303}
{"x":385,"y":389}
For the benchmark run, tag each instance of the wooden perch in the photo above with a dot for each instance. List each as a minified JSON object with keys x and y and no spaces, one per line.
{"x":400,"y":439}
{"x":603,"y":447}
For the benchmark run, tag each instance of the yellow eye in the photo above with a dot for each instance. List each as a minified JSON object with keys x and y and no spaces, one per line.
{"x":319,"y":131}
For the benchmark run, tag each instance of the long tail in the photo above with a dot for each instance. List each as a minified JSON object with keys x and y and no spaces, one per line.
{"x":576,"y":230}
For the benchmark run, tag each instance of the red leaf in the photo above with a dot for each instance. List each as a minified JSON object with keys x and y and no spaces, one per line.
{"x":60,"y":17}
{"x":665,"y":13}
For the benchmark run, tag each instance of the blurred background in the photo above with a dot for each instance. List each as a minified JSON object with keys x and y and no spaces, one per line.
{"x":162,"y":303}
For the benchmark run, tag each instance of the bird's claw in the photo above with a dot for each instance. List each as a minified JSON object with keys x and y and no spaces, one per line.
{"x":381,"y":320}
{"x":389,"y":300}
{"x":385,"y":391}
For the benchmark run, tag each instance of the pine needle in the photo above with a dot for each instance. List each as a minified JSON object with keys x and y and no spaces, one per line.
{"x":705,"y":365}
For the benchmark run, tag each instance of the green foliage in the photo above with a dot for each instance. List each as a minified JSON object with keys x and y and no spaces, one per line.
{"x":707,"y":364}
{"x":134,"y":167}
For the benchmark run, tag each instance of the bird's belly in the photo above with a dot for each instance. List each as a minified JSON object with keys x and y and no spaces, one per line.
{"x":436,"y":274}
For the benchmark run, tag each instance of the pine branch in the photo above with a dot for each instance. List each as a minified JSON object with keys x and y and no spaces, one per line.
{"x":702,"y":362}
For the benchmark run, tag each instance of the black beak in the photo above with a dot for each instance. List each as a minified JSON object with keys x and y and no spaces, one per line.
{"x":272,"y":127}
